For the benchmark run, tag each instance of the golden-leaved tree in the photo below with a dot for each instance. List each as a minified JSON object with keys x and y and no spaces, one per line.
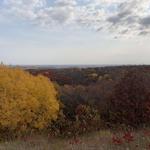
{"x":26,"y":101}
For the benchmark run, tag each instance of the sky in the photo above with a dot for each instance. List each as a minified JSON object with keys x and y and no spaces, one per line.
{"x":58,"y":32}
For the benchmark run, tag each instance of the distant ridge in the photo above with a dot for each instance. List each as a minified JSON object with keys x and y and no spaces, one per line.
{"x":69,"y":66}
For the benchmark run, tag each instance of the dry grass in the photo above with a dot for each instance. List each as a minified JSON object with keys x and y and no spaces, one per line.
{"x":95,"y":141}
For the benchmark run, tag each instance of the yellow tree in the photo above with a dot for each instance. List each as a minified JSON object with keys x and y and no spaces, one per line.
{"x":26,"y":101}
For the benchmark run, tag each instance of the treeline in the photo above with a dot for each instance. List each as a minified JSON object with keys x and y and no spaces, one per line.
{"x":119,"y":96}
{"x":76,"y":102}
{"x":86,"y":76}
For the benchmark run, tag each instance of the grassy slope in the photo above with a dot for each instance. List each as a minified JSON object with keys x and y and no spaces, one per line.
{"x":96,"y":141}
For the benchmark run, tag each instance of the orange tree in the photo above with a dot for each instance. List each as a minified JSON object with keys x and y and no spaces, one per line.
{"x":26,"y":102}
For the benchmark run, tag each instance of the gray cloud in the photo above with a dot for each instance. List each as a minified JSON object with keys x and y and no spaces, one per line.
{"x":129,"y":18}
{"x":65,"y":2}
{"x":120,"y":17}
{"x":145,"y":21}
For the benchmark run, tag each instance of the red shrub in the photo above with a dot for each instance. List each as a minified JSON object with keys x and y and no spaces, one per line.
{"x":117,"y":140}
{"x":130,"y":102}
{"x":128,"y":137}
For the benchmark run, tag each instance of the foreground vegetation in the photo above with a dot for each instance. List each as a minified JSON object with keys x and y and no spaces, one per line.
{"x":94,"y":108}
{"x":26,"y":102}
{"x":103,"y":140}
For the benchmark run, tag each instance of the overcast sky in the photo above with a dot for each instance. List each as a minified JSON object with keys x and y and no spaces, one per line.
{"x":75,"y":31}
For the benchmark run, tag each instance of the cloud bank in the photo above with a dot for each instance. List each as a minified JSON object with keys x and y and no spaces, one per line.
{"x":119,"y":17}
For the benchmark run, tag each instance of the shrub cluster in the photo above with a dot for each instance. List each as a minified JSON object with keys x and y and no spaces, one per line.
{"x":26,"y":102}
{"x":130,"y":101}
{"x":86,"y":119}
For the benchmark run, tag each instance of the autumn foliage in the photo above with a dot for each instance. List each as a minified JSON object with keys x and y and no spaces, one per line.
{"x":26,"y":102}
{"x":130,"y":101}
{"x":90,"y":99}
